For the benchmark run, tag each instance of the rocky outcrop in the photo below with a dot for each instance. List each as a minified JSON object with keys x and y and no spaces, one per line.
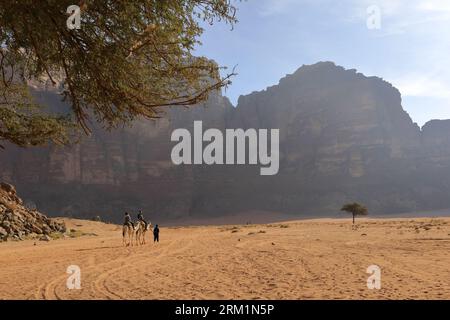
{"x":17,"y":222}
{"x":343,"y":137}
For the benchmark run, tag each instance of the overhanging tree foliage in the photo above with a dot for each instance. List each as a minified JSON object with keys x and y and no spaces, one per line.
{"x":128,"y":59}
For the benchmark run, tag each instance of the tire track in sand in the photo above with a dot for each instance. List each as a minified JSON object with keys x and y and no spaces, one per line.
{"x":101,"y":283}
{"x":48,"y":290}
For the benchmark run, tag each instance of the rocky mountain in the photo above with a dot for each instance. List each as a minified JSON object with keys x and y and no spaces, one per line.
{"x":343,"y":137}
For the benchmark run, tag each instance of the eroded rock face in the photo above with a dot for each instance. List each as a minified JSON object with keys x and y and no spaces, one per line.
{"x":111,"y":172}
{"x":436,"y":142}
{"x":18,"y":222}
{"x":343,"y":137}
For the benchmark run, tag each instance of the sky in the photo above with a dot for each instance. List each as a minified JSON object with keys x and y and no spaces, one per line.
{"x":405,"y":42}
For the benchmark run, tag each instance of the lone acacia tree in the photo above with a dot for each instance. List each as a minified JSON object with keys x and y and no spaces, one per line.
{"x":128,"y":59}
{"x":355,"y":209}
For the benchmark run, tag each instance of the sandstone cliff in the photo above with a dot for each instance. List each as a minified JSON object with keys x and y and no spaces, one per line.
{"x":343,"y":137}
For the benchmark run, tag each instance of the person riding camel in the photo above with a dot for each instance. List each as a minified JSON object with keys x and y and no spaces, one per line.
{"x":141,"y":218}
{"x":128,"y":221}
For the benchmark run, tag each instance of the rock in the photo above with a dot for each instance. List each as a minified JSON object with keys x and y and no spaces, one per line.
{"x":44,"y":238}
{"x":3,"y":232}
{"x":17,"y":221}
{"x":8,"y":188}
{"x":36,"y":229}
{"x":46,"y":229}
{"x":6,"y":224}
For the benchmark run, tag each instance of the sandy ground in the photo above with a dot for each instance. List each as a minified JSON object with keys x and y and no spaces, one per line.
{"x":315,"y":259}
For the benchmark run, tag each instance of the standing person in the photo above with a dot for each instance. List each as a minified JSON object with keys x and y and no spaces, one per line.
{"x":141,"y":218}
{"x":156,"y":234}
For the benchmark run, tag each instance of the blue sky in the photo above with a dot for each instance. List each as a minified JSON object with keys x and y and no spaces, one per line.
{"x":276,"y":37}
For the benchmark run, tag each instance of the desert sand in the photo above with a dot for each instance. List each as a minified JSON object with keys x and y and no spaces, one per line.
{"x":314,"y":259}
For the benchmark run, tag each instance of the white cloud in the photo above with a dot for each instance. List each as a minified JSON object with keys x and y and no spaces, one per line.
{"x":424,"y":24}
{"x":420,"y":85}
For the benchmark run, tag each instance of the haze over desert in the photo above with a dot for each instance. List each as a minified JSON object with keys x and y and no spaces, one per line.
{"x":309,"y":259}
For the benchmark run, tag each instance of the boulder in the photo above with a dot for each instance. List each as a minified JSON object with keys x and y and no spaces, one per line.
{"x":44,"y":238}
{"x":8,"y":188}
{"x":3,"y":232}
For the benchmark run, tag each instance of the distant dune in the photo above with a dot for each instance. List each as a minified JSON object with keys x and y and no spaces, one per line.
{"x":311,"y":259}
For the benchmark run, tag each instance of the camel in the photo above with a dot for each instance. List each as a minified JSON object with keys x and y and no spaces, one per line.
{"x":141,"y":230}
{"x":127,"y":232}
